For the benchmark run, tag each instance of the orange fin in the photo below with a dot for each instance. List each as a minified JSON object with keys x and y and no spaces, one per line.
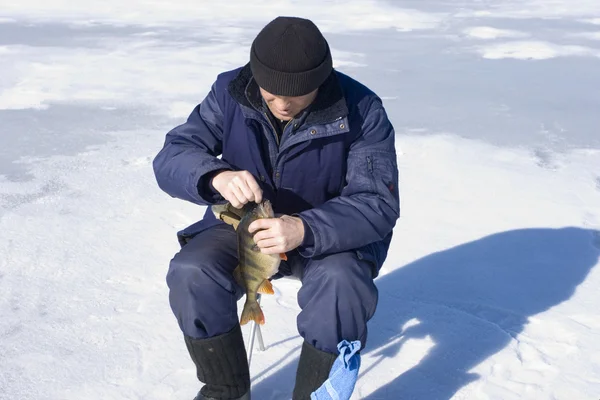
{"x":283,"y":256}
{"x":252,"y":312}
{"x":266,"y":287}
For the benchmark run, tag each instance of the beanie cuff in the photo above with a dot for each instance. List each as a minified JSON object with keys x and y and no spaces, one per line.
{"x":290,"y":83}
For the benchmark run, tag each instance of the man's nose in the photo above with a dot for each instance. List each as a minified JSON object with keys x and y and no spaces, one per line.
{"x":282,"y":103}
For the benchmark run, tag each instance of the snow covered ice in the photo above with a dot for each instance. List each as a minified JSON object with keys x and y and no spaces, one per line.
{"x":490,"y":290}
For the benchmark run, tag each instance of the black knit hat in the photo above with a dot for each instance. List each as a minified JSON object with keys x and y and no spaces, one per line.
{"x":290,"y":57}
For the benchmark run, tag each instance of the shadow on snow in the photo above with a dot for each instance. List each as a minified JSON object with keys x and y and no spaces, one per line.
{"x":471,"y":301}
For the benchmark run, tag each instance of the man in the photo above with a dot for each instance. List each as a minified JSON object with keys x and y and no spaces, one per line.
{"x":319,"y":146}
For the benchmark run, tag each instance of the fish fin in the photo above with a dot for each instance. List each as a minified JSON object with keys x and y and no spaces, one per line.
{"x":283,"y":256}
{"x":266,"y":287}
{"x":230,"y":219}
{"x":237,"y":275}
{"x":252,"y":312}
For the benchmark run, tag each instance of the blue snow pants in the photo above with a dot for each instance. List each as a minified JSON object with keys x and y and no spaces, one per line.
{"x":337,"y":297}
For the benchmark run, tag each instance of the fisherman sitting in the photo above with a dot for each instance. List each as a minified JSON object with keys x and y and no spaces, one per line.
{"x":319,"y":146}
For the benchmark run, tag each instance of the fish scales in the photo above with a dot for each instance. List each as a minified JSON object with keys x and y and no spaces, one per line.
{"x":255,"y":268}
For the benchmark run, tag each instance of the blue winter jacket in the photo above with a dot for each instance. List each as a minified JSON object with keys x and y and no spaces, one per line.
{"x":334,"y":166}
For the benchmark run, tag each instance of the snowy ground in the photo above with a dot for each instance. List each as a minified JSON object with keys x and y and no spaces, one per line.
{"x":491,"y":287}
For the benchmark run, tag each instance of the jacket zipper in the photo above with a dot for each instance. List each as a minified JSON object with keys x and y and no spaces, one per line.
{"x":275,"y":171}
{"x":272,"y":127}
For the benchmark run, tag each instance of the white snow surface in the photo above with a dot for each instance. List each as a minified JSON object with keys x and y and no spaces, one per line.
{"x":490,"y":290}
{"x":487,"y":32}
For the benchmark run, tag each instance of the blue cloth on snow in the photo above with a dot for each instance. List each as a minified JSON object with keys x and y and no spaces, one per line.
{"x":343,"y":374}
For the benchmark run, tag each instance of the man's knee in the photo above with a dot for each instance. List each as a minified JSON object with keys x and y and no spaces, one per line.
{"x":207,"y":260}
{"x":203,"y":275}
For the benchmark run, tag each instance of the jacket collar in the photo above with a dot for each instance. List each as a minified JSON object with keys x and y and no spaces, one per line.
{"x":329,"y":105}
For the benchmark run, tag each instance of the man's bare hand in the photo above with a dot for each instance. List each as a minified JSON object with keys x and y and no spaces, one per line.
{"x":237,"y":187}
{"x":277,"y":235}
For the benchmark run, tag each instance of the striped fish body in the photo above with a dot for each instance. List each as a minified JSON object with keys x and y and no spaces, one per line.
{"x":255,"y":268}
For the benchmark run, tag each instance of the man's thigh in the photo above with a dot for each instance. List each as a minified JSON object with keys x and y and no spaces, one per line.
{"x":210,"y":254}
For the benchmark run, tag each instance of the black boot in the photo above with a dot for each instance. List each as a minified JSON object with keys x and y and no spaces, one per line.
{"x":313,"y":369}
{"x":200,"y":397}
{"x":222,"y":365}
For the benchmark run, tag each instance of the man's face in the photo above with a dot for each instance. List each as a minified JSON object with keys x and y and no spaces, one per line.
{"x":285,"y":108}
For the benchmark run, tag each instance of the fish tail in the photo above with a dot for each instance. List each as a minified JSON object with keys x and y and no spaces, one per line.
{"x":252,"y":312}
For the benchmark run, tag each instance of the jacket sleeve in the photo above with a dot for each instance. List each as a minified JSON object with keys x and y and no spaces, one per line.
{"x":369,"y":205}
{"x":189,"y":157}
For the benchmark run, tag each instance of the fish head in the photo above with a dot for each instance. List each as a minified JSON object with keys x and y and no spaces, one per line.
{"x":219,"y":209}
{"x":264,"y":209}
